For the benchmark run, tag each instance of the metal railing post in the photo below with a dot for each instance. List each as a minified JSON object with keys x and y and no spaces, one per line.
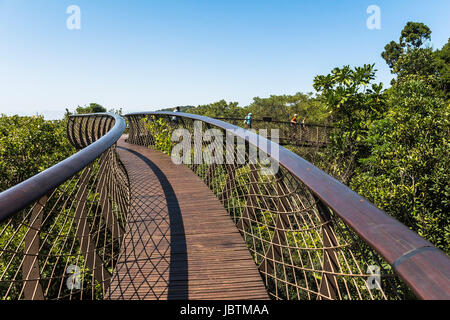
{"x":30,"y":268}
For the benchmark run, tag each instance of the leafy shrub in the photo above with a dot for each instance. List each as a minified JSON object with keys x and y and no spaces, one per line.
{"x":29,"y":145}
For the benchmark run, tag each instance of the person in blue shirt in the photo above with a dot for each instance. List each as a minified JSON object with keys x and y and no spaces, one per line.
{"x":174,"y":118}
{"x":248,"y":120}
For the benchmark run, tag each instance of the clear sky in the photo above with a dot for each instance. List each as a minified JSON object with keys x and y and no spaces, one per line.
{"x":147,"y":55}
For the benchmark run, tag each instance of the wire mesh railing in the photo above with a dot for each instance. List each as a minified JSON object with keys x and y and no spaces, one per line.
{"x":310,"y":236}
{"x":296,"y":134}
{"x":61,"y":230}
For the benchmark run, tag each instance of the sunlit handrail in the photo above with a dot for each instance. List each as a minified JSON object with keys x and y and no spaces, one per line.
{"x":61,"y":230}
{"x":422,"y":266}
{"x":23,"y":194}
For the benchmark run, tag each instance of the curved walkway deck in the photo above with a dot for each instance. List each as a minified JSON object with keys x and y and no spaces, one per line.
{"x":180,"y":242}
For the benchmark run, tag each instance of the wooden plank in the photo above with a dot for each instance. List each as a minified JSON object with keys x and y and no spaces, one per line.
{"x":180,"y":243}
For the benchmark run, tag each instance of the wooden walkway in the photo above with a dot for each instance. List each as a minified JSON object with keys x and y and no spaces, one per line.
{"x":180,"y":242}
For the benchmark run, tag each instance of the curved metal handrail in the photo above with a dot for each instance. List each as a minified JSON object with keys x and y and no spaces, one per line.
{"x":23,"y":194}
{"x":423,"y":267}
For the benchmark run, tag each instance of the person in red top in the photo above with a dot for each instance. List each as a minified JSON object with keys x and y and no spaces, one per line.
{"x":293,"y":124}
{"x":294,"y":121}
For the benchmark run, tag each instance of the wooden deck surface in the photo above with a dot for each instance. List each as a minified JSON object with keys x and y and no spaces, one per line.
{"x":180,"y":242}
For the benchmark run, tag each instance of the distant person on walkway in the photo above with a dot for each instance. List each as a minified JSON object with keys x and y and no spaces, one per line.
{"x":248,"y":120}
{"x":304,"y":123}
{"x":293,"y":124}
{"x":174,"y":118}
{"x":294,"y":121}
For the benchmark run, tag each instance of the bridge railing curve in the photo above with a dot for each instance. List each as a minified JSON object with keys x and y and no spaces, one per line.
{"x":62,"y":229}
{"x":311,"y":236}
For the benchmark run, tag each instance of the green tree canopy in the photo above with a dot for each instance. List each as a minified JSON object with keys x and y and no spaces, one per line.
{"x":29,"y":145}
{"x":412,"y":37}
{"x":407,"y":170}
{"x":393,"y":147}
{"x":352,"y":100}
{"x":412,"y":57}
{"x":91,"y":108}
{"x":219,"y":109}
{"x":415,"y":34}
{"x":442,"y":64}
{"x":392,"y":51}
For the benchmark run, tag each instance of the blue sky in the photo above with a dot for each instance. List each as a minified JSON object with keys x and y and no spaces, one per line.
{"x":147,"y":55}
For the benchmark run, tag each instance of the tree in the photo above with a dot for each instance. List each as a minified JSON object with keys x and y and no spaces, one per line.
{"x":416,"y":61}
{"x":407,"y":170}
{"x":392,"y":51}
{"x":414,"y":35}
{"x":350,"y":97}
{"x":29,"y":145}
{"x":283,"y":107}
{"x":91,"y":108}
{"x":277,"y":107}
{"x":219,"y":109}
{"x":442,"y":64}
{"x":412,"y":57}
{"x":353,"y":103}
{"x":393,"y":147}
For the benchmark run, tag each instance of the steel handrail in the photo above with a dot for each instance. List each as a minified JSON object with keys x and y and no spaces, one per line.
{"x":422,"y":266}
{"x":23,"y":194}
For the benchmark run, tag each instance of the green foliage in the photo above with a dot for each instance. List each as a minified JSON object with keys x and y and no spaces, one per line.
{"x":94,"y":108}
{"x":349,"y":99}
{"x":220,"y":109}
{"x":353,"y":103}
{"x":161,"y":133}
{"x":411,"y":57}
{"x":58,"y":242}
{"x":414,"y":34}
{"x":91,"y":108}
{"x":281,"y":107}
{"x":416,"y":61}
{"x":392,"y":52}
{"x":442,"y":64}
{"x":407,"y":172}
{"x":29,"y":145}
{"x":393,"y":145}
